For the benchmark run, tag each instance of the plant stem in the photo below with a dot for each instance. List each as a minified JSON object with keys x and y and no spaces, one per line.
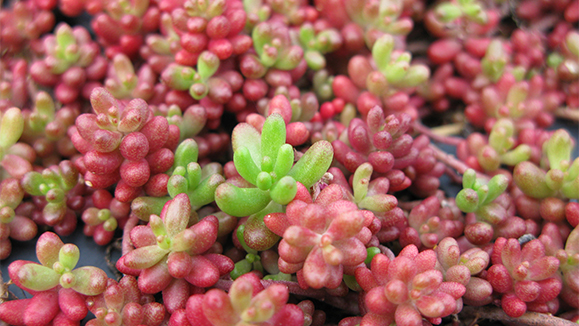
{"x":451,"y":161}
{"x":528,"y":318}
{"x":567,"y":113}
{"x":127,"y":244}
{"x":441,"y":134}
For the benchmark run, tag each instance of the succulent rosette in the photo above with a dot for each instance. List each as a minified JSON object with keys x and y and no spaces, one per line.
{"x":568,"y":257}
{"x":323,"y":238}
{"x":407,"y":289}
{"x":260,"y":156}
{"x":122,"y":143}
{"x":524,"y":276}
{"x":563,"y":173}
{"x":499,"y":149}
{"x":247,"y":303}
{"x":11,"y":129}
{"x":266,"y":162}
{"x":71,"y":59}
{"x":487,"y":208}
{"x":12,"y":225}
{"x":463,"y":268}
{"x":58,"y":288}
{"x":188,"y":177}
{"x":381,"y":141}
{"x":123,"y":304}
{"x":171,"y":248}
{"x":429,"y":223}
{"x":53,"y":187}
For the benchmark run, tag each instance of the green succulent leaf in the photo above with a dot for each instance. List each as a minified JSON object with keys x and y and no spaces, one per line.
{"x":382,"y":50}
{"x":284,"y":161}
{"x":241,"y":201}
{"x":467,"y":200}
{"x":313,"y":164}
{"x":187,"y":151}
{"x":497,"y":185}
{"x":145,"y":257}
{"x":284,"y":190}
{"x":68,"y":256}
{"x":361,"y":181}
{"x":204,"y":194}
{"x":558,"y":149}
{"x":38,"y":277}
{"x":207,"y":65}
{"x":11,"y":127}
{"x":245,"y":165}
{"x":273,"y":135}
{"x":531,"y":180}
{"x":245,"y":135}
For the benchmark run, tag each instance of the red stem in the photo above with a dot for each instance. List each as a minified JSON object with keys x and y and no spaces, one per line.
{"x":127,"y":244}
{"x":454,"y":141}
{"x":451,"y":161}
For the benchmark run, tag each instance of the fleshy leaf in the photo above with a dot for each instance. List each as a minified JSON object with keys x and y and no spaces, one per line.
{"x":313,"y":164}
{"x":90,"y":280}
{"x":38,"y":277}
{"x":240,"y":201}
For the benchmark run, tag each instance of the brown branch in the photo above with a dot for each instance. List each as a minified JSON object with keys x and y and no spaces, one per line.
{"x":441,"y":134}
{"x":567,"y":113}
{"x":528,"y":318}
{"x":110,"y":264}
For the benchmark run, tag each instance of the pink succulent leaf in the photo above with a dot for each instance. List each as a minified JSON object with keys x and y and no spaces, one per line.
{"x":293,"y":254}
{"x":205,"y":274}
{"x":532,"y":250}
{"x":347,"y":225}
{"x":277,"y":223}
{"x":353,"y":250}
{"x":300,"y":236}
{"x":317,"y":273}
{"x":176,"y":214}
{"x":217,"y":308}
{"x":402,"y":268}
{"x":89,"y":280}
{"x":47,"y":248}
{"x":154,"y":279}
{"x":406,"y":314}
{"x":426,"y":260}
{"x":145,"y":257}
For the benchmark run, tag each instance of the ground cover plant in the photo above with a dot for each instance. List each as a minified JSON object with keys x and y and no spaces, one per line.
{"x":289,"y":162}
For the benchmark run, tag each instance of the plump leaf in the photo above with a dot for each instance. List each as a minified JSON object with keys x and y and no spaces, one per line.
{"x":145,"y":257}
{"x":313,"y":164}
{"x":245,"y":135}
{"x":273,"y":136}
{"x":37,"y":277}
{"x":245,"y":165}
{"x":90,"y":280}
{"x":284,"y":190}
{"x":240,"y":201}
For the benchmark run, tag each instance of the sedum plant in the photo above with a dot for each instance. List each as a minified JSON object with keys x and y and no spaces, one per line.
{"x":322,"y":239}
{"x":58,"y":288}
{"x":407,"y":289}
{"x":247,"y":303}
{"x":561,"y":177}
{"x":174,"y":245}
{"x":266,"y":164}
